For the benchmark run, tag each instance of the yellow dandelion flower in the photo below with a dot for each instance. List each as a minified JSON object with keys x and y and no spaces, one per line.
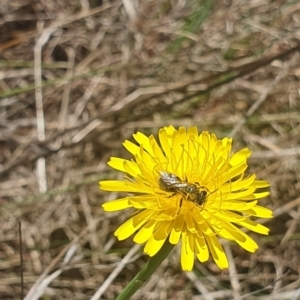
{"x":190,"y":188}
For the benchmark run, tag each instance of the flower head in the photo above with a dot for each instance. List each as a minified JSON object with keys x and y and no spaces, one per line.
{"x":190,"y":187}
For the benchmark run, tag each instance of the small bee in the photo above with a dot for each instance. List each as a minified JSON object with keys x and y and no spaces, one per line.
{"x":173,"y":184}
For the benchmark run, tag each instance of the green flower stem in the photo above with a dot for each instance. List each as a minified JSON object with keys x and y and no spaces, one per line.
{"x":145,"y":273}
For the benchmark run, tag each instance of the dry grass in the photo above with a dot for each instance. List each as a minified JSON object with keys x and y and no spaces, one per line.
{"x":79,"y":77}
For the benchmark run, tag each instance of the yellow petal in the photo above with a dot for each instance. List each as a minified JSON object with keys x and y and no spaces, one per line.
{"x":237,"y":205}
{"x":202,"y":223}
{"x":131,"y":168}
{"x":157,"y":152}
{"x":162,"y":232}
{"x":230,"y":216}
{"x":153,"y":246}
{"x":261,"y":184}
{"x":176,"y":230}
{"x":236,"y":171}
{"x":240,"y":157}
{"x":113,"y":185}
{"x":132,"y":225}
{"x":243,"y":183}
{"x":120,"y":186}
{"x":131,"y":147}
{"x":191,"y":226}
{"x":261,"y":195}
{"x":143,"y":140}
{"x":201,"y":248}
{"x":217,"y":252}
{"x":187,"y":251}
{"x":165,"y":140}
{"x":118,"y":204}
{"x":255,"y":196}
{"x":147,"y":159}
{"x":240,"y":194}
{"x":253,"y":226}
{"x":124,"y":165}
{"x":260,"y":212}
{"x":145,"y":233}
{"x":204,"y":138}
{"x":235,"y":234}
{"x":143,"y":201}
{"x":192,"y":133}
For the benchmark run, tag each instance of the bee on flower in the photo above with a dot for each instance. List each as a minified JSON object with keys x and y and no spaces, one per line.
{"x":189,"y":187}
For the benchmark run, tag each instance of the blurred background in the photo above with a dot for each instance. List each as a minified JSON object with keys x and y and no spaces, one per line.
{"x":78,"y":77}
